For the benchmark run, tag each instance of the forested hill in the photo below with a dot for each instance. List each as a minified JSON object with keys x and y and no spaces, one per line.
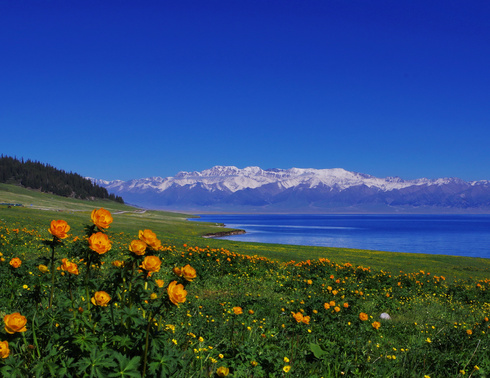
{"x":40,"y":176}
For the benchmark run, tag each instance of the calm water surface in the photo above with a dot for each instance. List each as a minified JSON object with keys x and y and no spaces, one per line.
{"x":461,"y":235}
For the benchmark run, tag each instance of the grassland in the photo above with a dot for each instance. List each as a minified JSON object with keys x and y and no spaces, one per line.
{"x":174,"y":228}
{"x":194,"y":307}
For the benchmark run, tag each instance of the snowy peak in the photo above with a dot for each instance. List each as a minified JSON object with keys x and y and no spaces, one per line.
{"x":229,"y":187}
{"x":235,"y":179}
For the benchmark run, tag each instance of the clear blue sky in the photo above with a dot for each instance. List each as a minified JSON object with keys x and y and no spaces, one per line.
{"x":131,"y":89}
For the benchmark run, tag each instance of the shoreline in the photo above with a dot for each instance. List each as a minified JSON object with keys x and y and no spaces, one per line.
{"x":224,"y":233}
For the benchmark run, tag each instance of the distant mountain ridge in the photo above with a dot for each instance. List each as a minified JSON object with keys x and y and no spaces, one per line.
{"x":307,"y":190}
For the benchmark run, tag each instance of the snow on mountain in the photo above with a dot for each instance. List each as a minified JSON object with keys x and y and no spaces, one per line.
{"x":235,"y":179}
{"x":228,"y":186}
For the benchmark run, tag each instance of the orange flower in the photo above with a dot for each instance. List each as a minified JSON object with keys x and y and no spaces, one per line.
{"x":151,"y":264}
{"x":251,"y":312}
{"x":4,"y":349}
{"x":189,"y":273}
{"x":469,"y":331}
{"x":101,"y":298}
{"x":43,"y":268}
{"x":150,"y":238}
{"x":159,"y":283}
{"x":59,"y":229}
{"x":118,"y":263}
{"x":326,"y":305}
{"x":237,"y":310}
{"x":306,"y":319}
{"x":176,"y":293}
{"x":177,"y":271}
{"x":102,"y":218}
{"x":298,"y":316}
{"x":337,"y":308}
{"x":15,"y":262}
{"x":346,"y":305}
{"x":363,"y":316}
{"x":138,"y":247}
{"x":99,"y":242}
{"x":376,"y":325}
{"x":332,"y":303}
{"x":15,"y":323}
{"x":69,"y":267}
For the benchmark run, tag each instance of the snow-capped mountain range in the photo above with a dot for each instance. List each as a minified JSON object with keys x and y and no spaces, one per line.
{"x":252,"y":189}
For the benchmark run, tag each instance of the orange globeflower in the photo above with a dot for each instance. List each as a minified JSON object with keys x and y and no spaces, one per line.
{"x":176,"y":293}
{"x":102,"y":218}
{"x":99,"y":242}
{"x":363,"y":316}
{"x":101,"y":298}
{"x":306,"y":319}
{"x":298,"y":316}
{"x":177,"y":271}
{"x":15,"y":323}
{"x":151,"y":264}
{"x":159,"y":283}
{"x":118,"y":263}
{"x":326,"y":305}
{"x":59,"y":229}
{"x":4,"y":349}
{"x":376,"y":325}
{"x":15,"y":262}
{"x":69,"y":267}
{"x":43,"y":268}
{"x":237,"y":310}
{"x":138,"y":247}
{"x":150,"y":238}
{"x":189,"y":272}
{"x":156,"y":245}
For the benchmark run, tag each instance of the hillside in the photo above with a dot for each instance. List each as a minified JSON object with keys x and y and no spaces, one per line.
{"x":47,"y":179}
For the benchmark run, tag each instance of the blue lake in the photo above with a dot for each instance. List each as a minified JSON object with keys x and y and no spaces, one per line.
{"x":461,"y":235}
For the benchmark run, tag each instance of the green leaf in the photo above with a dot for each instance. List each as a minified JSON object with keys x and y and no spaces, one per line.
{"x":96,"y":363}
{"x":317,"y":350}
{"x":127,"y":367}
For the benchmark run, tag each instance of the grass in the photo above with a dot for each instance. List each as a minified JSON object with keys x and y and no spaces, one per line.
{"x":104,"y":315}
{"x":177,"y":230}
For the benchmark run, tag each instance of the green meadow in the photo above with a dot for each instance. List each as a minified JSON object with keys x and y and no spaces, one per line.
{"x":197,"y":307}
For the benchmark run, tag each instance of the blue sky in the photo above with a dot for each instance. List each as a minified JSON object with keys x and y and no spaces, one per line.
{"x":132,"y":89}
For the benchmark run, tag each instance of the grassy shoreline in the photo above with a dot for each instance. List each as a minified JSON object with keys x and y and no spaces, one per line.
{"x":176,"y":229}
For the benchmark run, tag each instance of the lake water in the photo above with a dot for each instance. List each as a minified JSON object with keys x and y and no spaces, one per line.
{"x":460,"y":235}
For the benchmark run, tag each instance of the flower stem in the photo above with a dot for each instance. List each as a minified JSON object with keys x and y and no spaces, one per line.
{"x":87,"y":275}
{"x":34,"y":338}
{"x":145,"y":356}
{"x":52,"y":272}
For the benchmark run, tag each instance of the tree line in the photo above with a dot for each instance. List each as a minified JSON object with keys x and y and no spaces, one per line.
{"x":46,"y":178}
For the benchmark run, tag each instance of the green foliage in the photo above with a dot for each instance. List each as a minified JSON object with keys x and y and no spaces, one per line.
{"x":438,"y":327}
